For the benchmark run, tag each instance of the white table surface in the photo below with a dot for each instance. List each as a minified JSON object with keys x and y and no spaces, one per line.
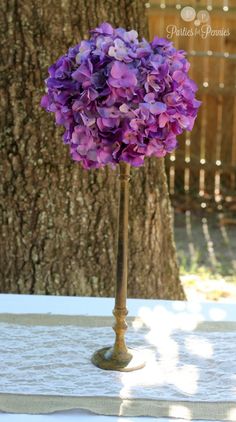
{"x":59,"y":305}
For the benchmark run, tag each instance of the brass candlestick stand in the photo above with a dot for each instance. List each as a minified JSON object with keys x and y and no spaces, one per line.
{"x":119,"y":357}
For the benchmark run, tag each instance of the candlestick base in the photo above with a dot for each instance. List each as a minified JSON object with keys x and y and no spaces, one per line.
{"x":106,"y":358}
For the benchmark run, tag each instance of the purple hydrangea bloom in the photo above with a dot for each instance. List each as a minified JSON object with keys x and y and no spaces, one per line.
{"x":121,"y":99}
{"x":122,"y":76}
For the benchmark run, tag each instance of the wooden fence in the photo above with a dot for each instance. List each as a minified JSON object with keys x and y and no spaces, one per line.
{"x":202,"y":171}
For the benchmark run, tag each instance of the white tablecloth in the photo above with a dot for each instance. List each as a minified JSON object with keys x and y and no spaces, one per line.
{"x":190,"y":312}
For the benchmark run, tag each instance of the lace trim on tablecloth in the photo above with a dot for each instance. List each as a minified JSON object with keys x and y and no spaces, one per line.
{"x":54,"y":360}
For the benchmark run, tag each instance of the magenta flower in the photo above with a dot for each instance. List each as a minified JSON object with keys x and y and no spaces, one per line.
{"x":121,"y":99}
{"x":122,"y":76}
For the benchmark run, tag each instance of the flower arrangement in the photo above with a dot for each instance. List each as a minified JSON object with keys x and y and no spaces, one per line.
{"x":121,"y":99}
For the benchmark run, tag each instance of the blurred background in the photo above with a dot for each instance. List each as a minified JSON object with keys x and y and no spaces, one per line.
{"x":202,"y":171}
{"x":51,"y":242}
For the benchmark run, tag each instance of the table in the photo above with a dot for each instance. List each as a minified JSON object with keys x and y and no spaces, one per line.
{"x":58,"y":305}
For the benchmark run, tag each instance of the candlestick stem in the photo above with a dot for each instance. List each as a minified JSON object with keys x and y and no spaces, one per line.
{"x":119,"y":357}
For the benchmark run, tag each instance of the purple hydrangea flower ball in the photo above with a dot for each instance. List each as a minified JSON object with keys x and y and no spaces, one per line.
{"x":121,"y":99}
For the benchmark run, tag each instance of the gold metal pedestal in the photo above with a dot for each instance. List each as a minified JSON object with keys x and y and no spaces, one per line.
{"x":106,"y":359}
{"x":119,"y":357}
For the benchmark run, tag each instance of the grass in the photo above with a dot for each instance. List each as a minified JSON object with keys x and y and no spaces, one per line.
{"x":206,"y":253}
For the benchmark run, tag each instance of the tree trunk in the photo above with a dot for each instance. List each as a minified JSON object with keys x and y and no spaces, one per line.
{"x":58,"y":221}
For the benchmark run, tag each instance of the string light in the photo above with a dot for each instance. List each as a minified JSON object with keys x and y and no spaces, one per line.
{"x":209,"y":53}
{"x":226,"y":54}
{"x":188,"y":142}
{"x":162,"y":6}
{"x":205,"y":84}
{"x":178,"y":6}
{"x":147,"y":5}
{"x":172,"y":158}
{"x":203,"y":204}
{"x":186,"y":179}
{"x":187,"y":160}
{"x":202,"y":161}
{"x":218,"y":162}
{"x":221,"y":85}
{"x":225,"y":8}
{"x":172,"y":180}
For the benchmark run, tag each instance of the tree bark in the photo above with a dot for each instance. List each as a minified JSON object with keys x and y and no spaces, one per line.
{"x":58,"y":221}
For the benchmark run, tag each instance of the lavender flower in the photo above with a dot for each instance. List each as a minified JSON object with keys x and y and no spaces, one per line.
{"x":121,"y":99}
